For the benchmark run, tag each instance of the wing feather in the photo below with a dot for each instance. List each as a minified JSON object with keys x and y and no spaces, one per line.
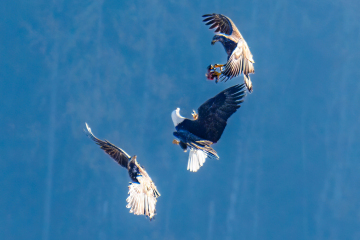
{"x":214,"y":113}
{"x":119,"y":155}
{"x":240,"y":61}
{"x":222,"y":24}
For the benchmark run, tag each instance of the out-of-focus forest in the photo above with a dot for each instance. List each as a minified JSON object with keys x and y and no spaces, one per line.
{"x":289,"y":158}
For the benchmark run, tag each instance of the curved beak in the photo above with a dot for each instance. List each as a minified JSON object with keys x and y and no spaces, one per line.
{"x":213,"y":42}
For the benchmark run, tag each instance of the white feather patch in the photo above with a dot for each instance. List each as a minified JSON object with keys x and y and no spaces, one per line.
{"x":139,"y":202}
{"x":196,"y":160}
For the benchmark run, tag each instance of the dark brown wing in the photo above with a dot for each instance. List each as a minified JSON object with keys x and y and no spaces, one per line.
{"x":222,"y":24}
{"x":119,"y":155}
{"x":214,"y":113}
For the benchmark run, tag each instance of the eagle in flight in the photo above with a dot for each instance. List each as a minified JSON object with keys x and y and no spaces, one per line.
{"x":207,"y":127}
{"x":240,"y":59}
{"x":142,"y":191}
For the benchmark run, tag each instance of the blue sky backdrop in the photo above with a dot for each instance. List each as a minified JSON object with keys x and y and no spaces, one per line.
{"x":289,"y":158}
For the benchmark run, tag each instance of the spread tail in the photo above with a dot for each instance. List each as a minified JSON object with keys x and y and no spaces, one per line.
{"x":196,"y":160}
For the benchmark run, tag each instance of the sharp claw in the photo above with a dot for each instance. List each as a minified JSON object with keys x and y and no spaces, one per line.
{"x":176,"y":142}
{"x":216,"y":73}
{"x":195,"y":115}
{"x":212,"y":74}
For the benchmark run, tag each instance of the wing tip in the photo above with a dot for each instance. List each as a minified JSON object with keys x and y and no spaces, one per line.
{"x":88,"y":129}
{"x":236,"y":88}
{"x":88,"y":132}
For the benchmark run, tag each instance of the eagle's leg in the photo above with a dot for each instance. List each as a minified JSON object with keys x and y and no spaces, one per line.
{"x":219,"y":66}
{"x":212,"y":67}
{"x":195,"y":115}
{"x":215,"y":73}
{"x":212,"y":74}
{"x":176,"y":142}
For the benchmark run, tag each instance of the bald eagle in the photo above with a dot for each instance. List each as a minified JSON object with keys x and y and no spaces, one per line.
{"x":142,"y":191}
{"x":207,"y":127}
{"x":240,"y":59}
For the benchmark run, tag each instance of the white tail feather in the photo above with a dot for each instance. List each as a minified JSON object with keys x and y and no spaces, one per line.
{"x":140,"y":203}
{"x":196,"y":160}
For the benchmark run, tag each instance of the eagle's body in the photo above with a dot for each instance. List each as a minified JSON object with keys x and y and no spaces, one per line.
{"x":228,"y":43}
{"x":240,"y":59}
{"x":142,"y":191}
{"x":198,"y":135}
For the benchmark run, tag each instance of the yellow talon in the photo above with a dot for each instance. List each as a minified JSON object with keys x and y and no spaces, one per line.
{"x":221,"y":66}
{"x":218,"y":65}
{"x":195,"y":115}
{"x":215,"y":73}
{"x":176,"y":142}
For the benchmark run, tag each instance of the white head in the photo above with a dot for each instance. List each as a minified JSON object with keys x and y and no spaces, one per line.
{"x":176,"y":118}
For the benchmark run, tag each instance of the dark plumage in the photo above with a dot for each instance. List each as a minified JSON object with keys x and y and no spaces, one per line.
{"x":240,"y":59}
{"x":208,"y":126}
{"x":142,"y":190}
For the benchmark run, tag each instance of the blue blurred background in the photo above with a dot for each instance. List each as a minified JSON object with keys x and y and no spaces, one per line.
{"x":289,"y":158}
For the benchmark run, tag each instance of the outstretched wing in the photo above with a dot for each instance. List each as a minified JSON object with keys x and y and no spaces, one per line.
{"x":240,"y":61}
{"x":119,"y":155}
{"x":214,"y":113}
{"x":142,"y":195}
{"x":222,"y":24}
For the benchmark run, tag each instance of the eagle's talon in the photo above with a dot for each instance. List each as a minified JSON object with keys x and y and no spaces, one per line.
{"x":215,"y":73}
{"x":195,"y":115}
{"x":176,"y":142}
{"x":218,"y":66}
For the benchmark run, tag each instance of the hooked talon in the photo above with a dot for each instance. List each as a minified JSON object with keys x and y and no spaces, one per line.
{"x":217,"y":74}
{"x":212,"y":74}
{"x":195,"y":115}
{"x":219,"y":66}
{"x":176,"y":142}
